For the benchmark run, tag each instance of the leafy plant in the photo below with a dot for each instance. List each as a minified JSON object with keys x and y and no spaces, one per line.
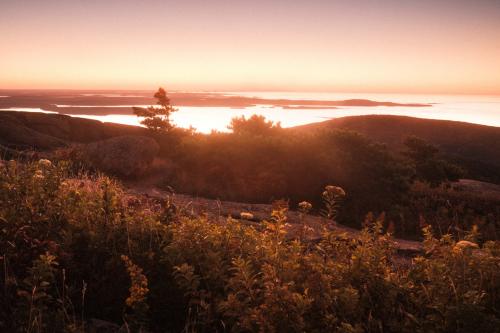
{"x":66,"y":236}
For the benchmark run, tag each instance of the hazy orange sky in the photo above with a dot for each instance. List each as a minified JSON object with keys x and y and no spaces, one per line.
{"x":429,"y":46}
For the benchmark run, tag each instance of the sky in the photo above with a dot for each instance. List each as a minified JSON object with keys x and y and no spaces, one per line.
{"x":400,"y":46}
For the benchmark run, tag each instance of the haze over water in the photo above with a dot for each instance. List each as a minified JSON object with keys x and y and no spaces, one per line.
{"x":484,"y":110}
{"x":478,"y":109}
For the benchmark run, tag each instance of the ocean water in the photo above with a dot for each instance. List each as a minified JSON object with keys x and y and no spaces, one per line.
{"x":21,"y":109}
{"x":478,"y":109}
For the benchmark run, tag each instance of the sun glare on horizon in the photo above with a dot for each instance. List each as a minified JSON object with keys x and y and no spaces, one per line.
{"x":363,"y":46}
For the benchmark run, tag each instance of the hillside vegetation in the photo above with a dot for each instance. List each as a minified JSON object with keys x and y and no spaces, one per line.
{"x":476,"y":147}
{"x":260,"y":162}
{"x":80,"y":254}
{"x":40,"y":131}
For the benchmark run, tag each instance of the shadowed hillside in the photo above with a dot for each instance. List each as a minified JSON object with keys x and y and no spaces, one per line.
{"x":462,"y":140}
{"x":477,"y":147}
{"x":40,"y":131}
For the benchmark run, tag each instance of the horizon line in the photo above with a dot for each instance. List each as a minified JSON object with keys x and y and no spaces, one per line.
{"x":319,"y":91}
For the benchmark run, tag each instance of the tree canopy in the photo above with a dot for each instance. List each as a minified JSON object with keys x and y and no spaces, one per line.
{"x":255,"y":125}
{"x":157,"y":117}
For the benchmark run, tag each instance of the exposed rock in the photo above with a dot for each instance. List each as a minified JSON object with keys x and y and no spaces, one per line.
{"x":126,"y":156}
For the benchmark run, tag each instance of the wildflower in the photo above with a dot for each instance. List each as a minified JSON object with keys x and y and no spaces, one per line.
{"x":12,"y":164}
{"x":334,"y":190}
{"x":332,"y":197}
{"x":139,"y":283}
{"x":45,"y":163}
{"x":38,"y":175}
{"x":305,"y":206}
{"x":309,"y":229}
{"x":246,"y":216}
{"x":463,"y":244}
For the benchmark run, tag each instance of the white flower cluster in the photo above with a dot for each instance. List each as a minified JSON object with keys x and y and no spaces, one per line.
{"x":305,"y":206}
{"x":336,"y":191}
{"x":246,"y":216}
{"x":45,"y":163}
{"x":464,"y":246}
{"x":38,"y":175}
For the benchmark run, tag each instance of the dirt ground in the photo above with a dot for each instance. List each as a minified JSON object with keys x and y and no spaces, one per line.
{"x":221,"y":210}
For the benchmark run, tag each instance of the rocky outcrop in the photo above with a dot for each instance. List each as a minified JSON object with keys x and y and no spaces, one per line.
{"x":125,"y":156}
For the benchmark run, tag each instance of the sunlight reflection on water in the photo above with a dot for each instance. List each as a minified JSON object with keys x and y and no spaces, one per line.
{"x":473,"y":109}
{"x":27,"y":110}
{"x":206,"y":119}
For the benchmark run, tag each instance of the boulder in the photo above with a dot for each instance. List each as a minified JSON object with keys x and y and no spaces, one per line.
{"x":125,"y":156}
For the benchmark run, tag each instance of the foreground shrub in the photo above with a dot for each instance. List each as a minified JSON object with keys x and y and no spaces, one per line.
{"x":451,"y":210}
{"x":77,"y":248}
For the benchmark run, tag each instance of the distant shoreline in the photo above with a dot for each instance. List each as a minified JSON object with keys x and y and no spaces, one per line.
{"x":114,"y":103}
{"x":206,"y":111}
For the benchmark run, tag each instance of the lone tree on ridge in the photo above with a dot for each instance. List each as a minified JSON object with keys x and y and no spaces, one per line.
{"x":157,"y":117}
